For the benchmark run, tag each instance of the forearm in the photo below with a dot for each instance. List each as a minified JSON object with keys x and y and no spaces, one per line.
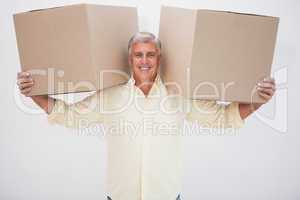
{"x":248,"y":109}
{"x":45,"y":102}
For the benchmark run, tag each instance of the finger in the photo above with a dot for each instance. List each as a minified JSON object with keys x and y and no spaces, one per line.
{"x":264,"y":96}
{"x":24,"y":75}
{"x":266,"y":90}
{"x":25,"y":85}
{"x":269,"y":80}
{"x":24,"y":80}
{"x":26,"y":91}
{"x":266,"y":85}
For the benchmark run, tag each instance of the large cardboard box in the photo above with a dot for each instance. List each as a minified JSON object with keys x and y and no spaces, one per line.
{"x":75,"y":48}
{"x":216,"y":55}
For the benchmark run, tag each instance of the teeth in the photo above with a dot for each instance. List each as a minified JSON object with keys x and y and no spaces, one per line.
{"x":144,"y":68}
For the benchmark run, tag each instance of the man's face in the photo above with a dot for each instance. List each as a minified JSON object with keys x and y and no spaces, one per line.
{"x":144,"y":60}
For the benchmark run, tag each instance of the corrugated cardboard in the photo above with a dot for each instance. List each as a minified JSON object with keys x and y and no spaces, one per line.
{"x":66,"y":48}
{"x":216,"y":55}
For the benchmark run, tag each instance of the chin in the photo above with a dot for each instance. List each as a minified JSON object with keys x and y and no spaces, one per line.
{"x":145,"y":78}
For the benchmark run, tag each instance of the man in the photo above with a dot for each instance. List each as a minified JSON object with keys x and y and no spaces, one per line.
{"x":144,"y":124}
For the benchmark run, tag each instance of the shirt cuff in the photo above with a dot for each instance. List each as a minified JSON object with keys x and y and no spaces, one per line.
{"x":239,"y":122}
{"x":58,"y":108}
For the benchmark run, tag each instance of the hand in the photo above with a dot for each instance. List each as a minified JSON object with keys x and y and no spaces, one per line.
{"x":266,"y":88}
{"x":25,"y":82}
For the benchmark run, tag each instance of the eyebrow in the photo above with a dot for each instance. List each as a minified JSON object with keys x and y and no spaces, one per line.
{"x":146,"y":52}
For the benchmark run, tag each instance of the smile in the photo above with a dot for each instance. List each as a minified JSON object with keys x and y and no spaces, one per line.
{"x":144,"y":68}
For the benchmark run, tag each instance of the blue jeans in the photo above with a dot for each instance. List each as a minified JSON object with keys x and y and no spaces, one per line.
{"x":177,"y":198}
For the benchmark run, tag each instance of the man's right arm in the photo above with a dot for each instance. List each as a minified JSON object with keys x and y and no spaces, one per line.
{"x":26,"y":83}
{"x":86,"y":111}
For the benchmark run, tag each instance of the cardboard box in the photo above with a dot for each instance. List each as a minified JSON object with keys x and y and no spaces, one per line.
{"x":216,"y":55}
{"x":67,"y":48}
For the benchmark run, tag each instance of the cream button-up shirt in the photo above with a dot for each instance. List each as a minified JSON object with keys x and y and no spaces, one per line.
{"x":143,"y":135}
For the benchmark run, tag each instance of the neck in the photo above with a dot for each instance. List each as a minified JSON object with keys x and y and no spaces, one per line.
{"x":146,"y":88}
{"x":145,"y":85}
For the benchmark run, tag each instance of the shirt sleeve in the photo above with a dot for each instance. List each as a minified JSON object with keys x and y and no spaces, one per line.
{"x":78,"y":115}
{"x":210,"y":114}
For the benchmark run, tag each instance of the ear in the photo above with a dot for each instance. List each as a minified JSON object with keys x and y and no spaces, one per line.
{"x":159,"y":60}
{"x":129,"y":60}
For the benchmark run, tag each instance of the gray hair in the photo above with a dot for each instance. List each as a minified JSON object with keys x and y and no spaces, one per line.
{"x":144,"y":37}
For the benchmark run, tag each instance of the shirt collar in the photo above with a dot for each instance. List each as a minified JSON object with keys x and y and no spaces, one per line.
{"x":156,"y":89}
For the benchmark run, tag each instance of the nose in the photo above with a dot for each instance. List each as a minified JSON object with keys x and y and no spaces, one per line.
{"x":144,"y":59}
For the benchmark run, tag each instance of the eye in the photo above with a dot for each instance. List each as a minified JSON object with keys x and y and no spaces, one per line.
{"x":151,"y":55}
{"x":138,"y":55}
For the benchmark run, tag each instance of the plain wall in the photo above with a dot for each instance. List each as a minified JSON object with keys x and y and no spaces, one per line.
{"x":261,"y":161}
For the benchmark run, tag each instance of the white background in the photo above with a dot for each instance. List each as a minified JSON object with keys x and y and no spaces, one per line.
{"x":39,"y":161}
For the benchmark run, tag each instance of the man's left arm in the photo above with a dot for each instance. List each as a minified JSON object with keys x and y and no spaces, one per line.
{"x":266,"y":90}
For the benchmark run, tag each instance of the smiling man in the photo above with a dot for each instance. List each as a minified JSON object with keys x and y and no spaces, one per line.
{"x":144,"y":124}
{"x":144,"y":57}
